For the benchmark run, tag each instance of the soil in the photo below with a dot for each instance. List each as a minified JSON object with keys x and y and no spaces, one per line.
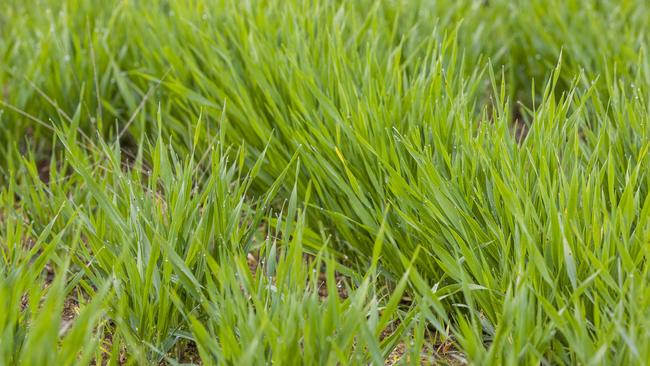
{"x":519,"y":127}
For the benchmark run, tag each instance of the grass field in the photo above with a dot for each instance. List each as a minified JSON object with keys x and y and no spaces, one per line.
{"x":324,"y":182}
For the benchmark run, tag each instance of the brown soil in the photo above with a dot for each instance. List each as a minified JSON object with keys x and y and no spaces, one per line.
{"x":519,"y":127}
{"x":431,"y":354}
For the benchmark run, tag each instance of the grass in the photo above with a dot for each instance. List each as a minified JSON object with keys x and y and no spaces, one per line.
{"x":324,"y":182}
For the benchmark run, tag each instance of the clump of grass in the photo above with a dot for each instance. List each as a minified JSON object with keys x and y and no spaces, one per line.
{"x":161,"y":251}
